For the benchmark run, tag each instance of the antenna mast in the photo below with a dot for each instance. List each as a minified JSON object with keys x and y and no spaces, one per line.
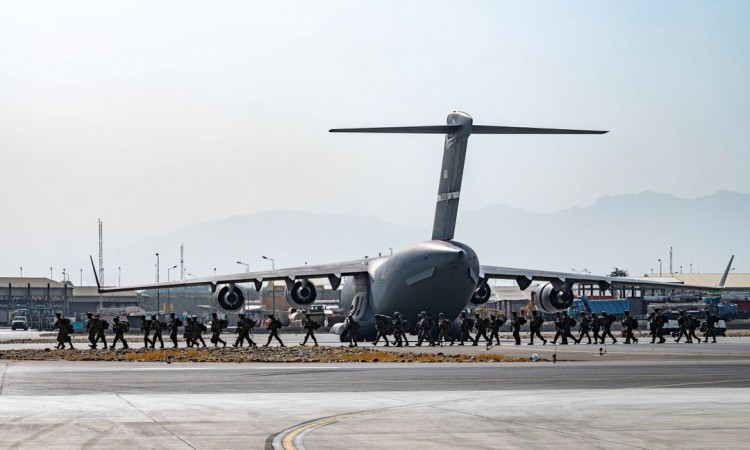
{"x":101,"y":253}
{"x":182,"y":261}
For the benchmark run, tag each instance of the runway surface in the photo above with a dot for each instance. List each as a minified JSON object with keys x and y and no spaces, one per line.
{"x":670,"y":396}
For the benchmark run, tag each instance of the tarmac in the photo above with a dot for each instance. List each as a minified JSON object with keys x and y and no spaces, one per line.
{"x":641,"y":396}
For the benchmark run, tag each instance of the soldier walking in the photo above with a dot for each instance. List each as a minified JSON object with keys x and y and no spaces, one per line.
{"x":174,"y":324}
{"x":535,"y":326}
{"x":445,"y":327}
{"x":711,"y":320}
{"x":558,"y":327}
{"x":656,"y":324}
{"x":244,"y":326}
{"x":596,"y":325}
{"x":63,"y":331}
{"x":217,"y":326}
{"x":566,"y":324}
{"x":481,"y":326}
{"x":692,"y":324}
{"x":466,"y":326}
{"x":381,"y":327}
{"x":399,"y":330}
{"x":91,"y":329}
{"x":495,"y":324}
{"x":199,"y":328}
{"x":352,"y":329}
{"x":426,"y":327}
{"x":100,"y":325}
{"x":158,"y":326}
{"x":310,"y":325}
{"x":515,"y":327}
{"x":273,"y":327}
{"x":120,"y":329}
{"x":607,"y":320}
{"x":682,"y":321}
{"x":146,"y":330}
{"x":628,"y":325}
{"x":583,"y":328}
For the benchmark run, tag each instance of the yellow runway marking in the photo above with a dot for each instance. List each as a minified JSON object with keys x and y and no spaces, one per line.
{"x":288,"y":441}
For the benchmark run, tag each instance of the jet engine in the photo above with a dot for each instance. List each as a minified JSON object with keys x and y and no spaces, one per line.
{"x":229,"y":298}
{"x":302,"y":292}
{"x":550,"y":300}
{"x":481,"y":294}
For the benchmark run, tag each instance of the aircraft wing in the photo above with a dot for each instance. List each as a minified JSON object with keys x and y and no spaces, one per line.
{"x":333,"y":272}
{"x":524,"y":278}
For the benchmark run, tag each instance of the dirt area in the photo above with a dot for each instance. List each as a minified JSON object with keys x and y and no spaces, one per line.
{"x":270,"y":354}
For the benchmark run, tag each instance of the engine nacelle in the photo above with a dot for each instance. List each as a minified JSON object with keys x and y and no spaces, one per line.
{"x":229,"y":298}
{"x":481,"y":294}
{"x":302,"y":293}
{"x":550,"y":300}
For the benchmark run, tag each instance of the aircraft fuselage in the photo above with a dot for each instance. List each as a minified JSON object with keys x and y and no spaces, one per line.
{"x":434,"y":276}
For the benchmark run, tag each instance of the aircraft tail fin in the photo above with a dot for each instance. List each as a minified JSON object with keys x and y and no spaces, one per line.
{"x":459,"y":126}
{"x":723,"y":280}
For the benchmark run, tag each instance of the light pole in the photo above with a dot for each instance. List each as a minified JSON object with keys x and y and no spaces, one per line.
{"x":691,"y":267}
{"x":659,"y":267}
{"x":50,"y":275}
{"x":680,"y":268}
{"x":81,"y":276}
{"x":158,"y":300}
{"x":169,"y":290}
{"x":247,"y":270}
{"x":273,"y":287}
{"x":119,"y":276}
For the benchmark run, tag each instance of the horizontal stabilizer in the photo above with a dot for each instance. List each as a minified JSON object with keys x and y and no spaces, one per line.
{"x":430,"y":129}
{"x":488,"y":129}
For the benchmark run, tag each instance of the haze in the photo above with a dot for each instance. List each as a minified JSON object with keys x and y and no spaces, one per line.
{"x":156,"y":116}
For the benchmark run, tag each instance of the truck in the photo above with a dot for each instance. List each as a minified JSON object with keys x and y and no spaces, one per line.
{"x":19,"y":323}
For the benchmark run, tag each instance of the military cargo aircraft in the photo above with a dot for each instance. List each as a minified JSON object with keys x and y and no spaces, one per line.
{"x":439,"y":275}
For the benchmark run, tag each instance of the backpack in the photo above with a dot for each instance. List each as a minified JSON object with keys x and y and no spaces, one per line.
{"x":471,"y":323}
{"x":522,"y":321}
{"x":223,"y":323}
{"x":203,"y":327}
{"x":178,"y":322}
{"x":315,"y":325}
{"x":572,"y":322}
{"x":125,"y":326}
{"x":634,"y":323}
{"x":278,"y":323}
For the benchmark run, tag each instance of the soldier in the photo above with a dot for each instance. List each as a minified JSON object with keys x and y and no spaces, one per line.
{"x":682,"y":321}
{"x":660,"y":321}
{"x":566,"y":324}
{"x":273,"y":327}
{"x":535,"y":326}
{"x":381,"y":326}
{"x":653,"y":318}
{"x":157,"y":325}
{"x":692,"y":324}
{"x":189,"y":333}
{"x":481,"y":325}
{"x":426,"y":326}
{"x":146,"y":330}
{"x":607,"y":320}
{"x":352,"y":328}
{"x":216,"y":329}
{"x":628,"y":324}
{"x":466,"y":326}
{"x":515,"y":327}
{"x":445,"y":326}
{"x":199,"y":328}
{"x":63,"y":331}
{"x":399,"y":330}
{"x":91,"y":329}
{"x":310,"y":325}
{"x":244,"y":326}
{"x":558,"y":327}
{"x":711,"y":320}
{"x":120,"y":329}
{"x":583,"y":328}
{"x":174,"y":324}
{"x":495,"y":324}
{"x":596,"y":325}
{"x":100,"y":325}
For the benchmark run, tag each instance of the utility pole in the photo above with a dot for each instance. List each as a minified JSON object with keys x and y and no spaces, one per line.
{"x":158,"y":300}
{"x":101,"y":252}
{"x":670,"y":261}
{"x":182,"y":261}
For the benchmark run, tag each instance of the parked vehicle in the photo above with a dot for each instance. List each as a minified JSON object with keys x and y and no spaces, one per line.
{"x":19,"y":323}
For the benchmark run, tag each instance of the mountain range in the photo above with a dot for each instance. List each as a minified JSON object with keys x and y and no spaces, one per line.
{"x":630,"y":231}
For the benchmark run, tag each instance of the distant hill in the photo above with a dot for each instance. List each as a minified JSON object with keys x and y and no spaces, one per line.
{"x":628,"y":231}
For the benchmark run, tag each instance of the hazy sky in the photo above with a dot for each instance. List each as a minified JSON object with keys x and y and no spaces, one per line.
{"x":158,"y":115}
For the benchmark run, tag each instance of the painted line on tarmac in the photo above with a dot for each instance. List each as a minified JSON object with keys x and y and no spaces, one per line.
{"x":695,"y":383}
